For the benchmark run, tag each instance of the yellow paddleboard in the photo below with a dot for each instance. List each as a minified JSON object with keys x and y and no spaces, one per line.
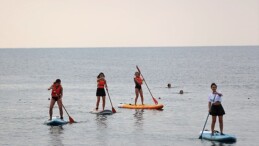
{"x":140,"y":106}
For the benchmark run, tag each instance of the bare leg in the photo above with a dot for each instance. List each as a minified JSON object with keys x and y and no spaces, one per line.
{"x":221,"y":124}
{"x":97,"y":103}
{"x":52,"y":103}
{"x":214,"y":118}
{"x":142,"y":97}
{"x":136,"y":98}
{"x":103,"y":97}
{"x":60,"y":108}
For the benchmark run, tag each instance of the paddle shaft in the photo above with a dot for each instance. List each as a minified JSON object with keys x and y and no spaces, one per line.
{"x":65,"y":109}
{"x":109,"y":97}
{"x":207,"y":119}
{"x":146,"y":84}
{"x":113,"y":110}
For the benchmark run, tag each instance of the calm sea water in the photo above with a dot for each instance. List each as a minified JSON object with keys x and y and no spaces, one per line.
{"x":25,"y":75}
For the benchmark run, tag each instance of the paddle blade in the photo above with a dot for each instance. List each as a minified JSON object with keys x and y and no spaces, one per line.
{"x":113,"y":110}
{"x":71,"y":120}
{"x":155,"y":101}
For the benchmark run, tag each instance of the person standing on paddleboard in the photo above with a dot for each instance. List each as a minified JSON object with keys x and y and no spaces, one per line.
{"x":56,"y":94}
{"x":100,"y":92}
{"x":216,"y":108}
{"x":138,"y":89}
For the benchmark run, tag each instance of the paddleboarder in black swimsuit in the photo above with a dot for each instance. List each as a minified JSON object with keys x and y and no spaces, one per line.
{"x":100,"y":92}
{"x":56,"y":96}
{"x":138,"y":89}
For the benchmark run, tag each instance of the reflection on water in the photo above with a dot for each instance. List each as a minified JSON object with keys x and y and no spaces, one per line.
{"x":215,"y":143}
{"x":55,"y":135}
{"x":138,"y":115}
{"x":25,"y":73}
{"x":101,"y":121}
{"x":101,"y":129}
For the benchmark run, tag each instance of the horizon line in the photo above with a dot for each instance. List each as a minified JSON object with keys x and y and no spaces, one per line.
{"x":130,"y":47}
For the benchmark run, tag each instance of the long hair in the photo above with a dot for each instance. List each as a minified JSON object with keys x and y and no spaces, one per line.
{"x":100,"y":75}
{"x":57,"y":81}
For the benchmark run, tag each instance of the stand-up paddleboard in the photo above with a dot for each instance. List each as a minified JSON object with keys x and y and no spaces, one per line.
{"x":56,"y":121}
{"x":218,"y":137}
{"x":140,"y":106}
{"x":100,"y":112}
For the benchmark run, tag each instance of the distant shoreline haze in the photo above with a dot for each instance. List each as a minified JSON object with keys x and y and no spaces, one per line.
{"x":133,"y":23}
{"x":137,"y":47}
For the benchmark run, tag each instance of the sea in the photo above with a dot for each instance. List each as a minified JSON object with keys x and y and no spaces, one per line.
{"x":26,"y":74}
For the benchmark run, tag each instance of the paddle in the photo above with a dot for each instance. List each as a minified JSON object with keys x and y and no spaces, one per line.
{"x":200,"y":137}
{"x":113,"y":110}
{"x":155,"y":101}
{"x":71,"y":120}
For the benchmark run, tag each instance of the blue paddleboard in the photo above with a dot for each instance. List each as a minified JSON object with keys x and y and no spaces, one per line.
{"x":218,"y":137}
{"x":56,"y":121}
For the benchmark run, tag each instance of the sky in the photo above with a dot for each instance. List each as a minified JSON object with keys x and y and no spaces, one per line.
{"x":128,"y":23}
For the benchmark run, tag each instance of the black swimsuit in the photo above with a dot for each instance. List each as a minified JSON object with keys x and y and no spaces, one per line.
{"x":137,"y":86}
{"x":55,"y":98}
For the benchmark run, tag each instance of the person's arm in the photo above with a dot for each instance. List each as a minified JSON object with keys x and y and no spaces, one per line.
{"x":209,"y":103}
{"x":61,"y":92}
{"x":220,"y":94}
{"x":106,"y":86}
{"x":101,"y":78}
{"x":97,"y":82}
{"x":50,"y":87}
{"x":209,"y":106}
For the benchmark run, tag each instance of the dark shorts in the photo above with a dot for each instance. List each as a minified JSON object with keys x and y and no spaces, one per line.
{"x":138,"y":87}
{"x":100,"y":92}
{"x":217,"y":110}
{"x":55,"y":98}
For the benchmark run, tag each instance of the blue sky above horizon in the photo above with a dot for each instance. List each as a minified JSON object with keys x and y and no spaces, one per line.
{"x":128,"y":23}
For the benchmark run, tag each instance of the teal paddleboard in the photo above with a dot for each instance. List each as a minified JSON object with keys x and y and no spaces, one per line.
{"x":56,"y":121}
{"x":227,"y":138}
